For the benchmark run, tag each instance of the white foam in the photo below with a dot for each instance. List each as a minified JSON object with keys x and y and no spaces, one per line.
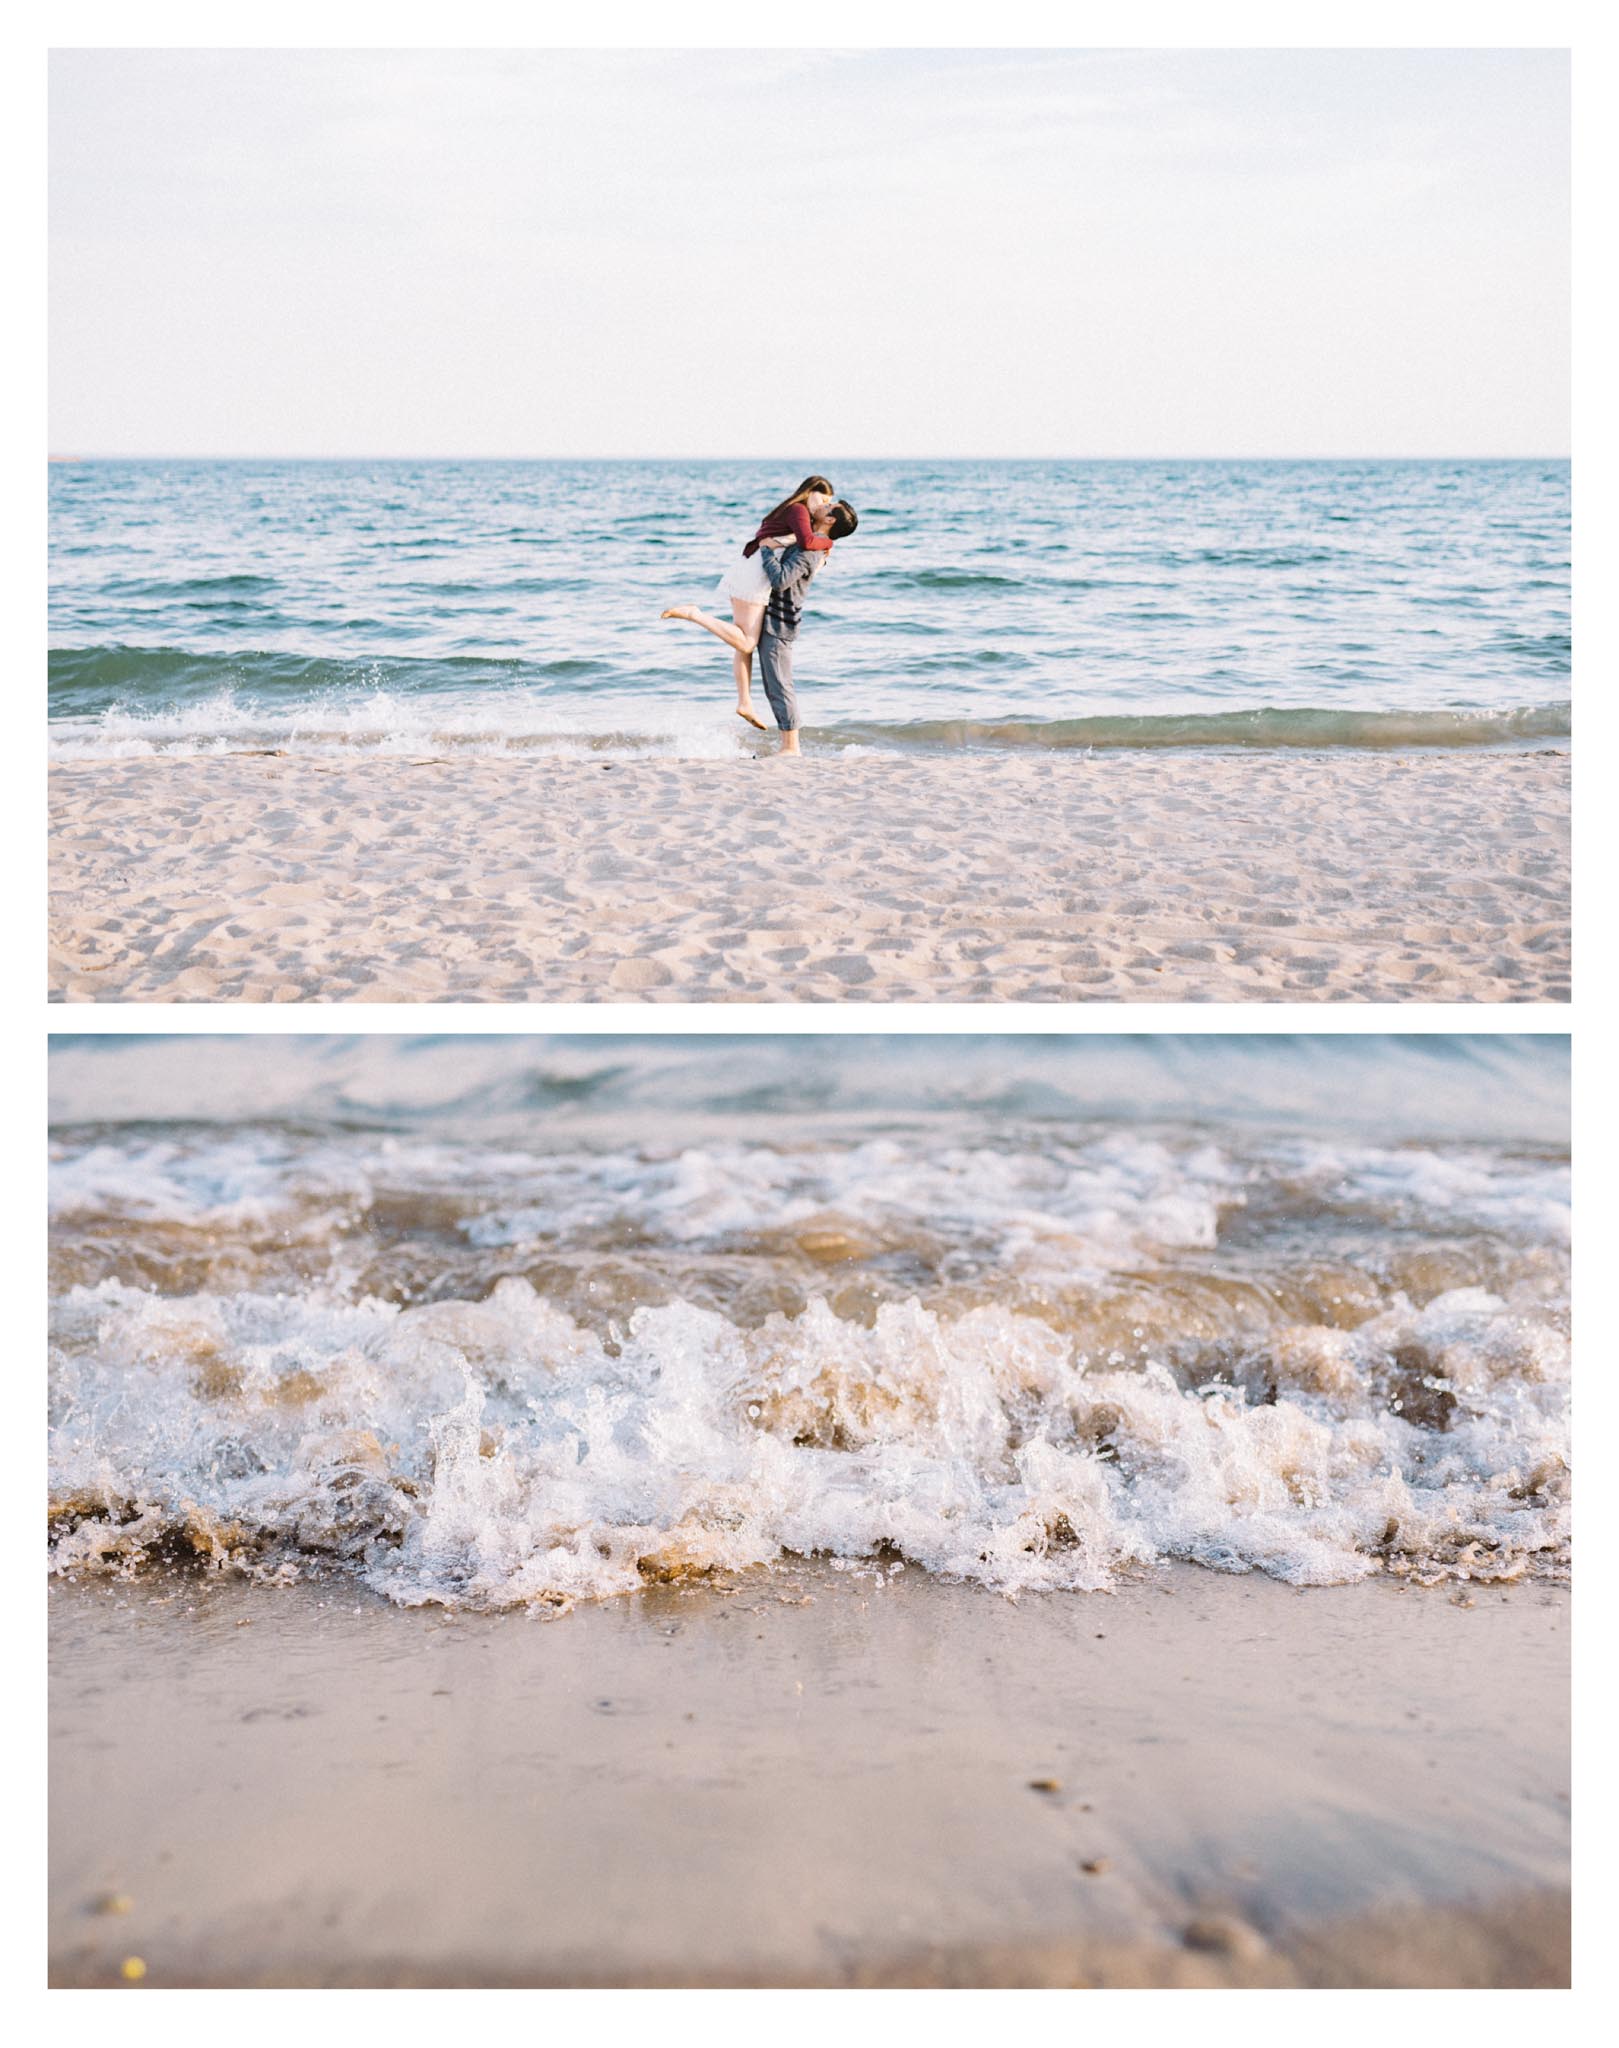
{"x":390,"y":723}
{"x":1102,"y":1201}
{"x":1089,"y":1202}
{"x":1481,"y":1189}
{"x":238,"y":1179}
{"x":499,"y":1454}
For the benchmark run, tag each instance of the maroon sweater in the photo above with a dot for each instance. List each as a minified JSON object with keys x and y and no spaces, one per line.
{"x":798,"y":520}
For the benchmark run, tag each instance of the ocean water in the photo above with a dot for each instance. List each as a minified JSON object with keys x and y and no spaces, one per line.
{"x":515,"y":1322}
{"x":427,"y":606}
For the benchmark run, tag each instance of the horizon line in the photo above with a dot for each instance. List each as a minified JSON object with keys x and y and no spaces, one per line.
{"x":1385,"y":455}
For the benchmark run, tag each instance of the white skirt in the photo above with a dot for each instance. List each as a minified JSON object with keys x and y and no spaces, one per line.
{"x":745,"y":580}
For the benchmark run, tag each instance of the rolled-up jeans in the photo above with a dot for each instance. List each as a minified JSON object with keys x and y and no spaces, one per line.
{"x":776,"y":673}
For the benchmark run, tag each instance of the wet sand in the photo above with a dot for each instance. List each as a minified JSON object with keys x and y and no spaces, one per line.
{"x":1115,"y":877}
{"x":1198,"y":1780}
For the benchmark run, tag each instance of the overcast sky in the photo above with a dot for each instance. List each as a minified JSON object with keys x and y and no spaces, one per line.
{"x":768,"y":252}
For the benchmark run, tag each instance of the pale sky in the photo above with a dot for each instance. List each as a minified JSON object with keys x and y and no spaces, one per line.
{"x":856,"y":254}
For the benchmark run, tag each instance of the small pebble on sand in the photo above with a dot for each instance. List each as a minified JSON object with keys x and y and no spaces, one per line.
{"x":1218,"y":1934}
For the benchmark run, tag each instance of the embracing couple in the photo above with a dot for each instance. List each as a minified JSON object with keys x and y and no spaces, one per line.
{"x":766,"y":585}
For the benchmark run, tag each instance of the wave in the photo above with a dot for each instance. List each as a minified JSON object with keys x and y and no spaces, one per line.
{"x":953,"y":579}
{"x":533,"y":1368}
{"x":233,"y":585}
{"x":84,"y":681}
{"x":1373,"y":1089}
{"x":498,"y":1453}
{"x":108,"y":702}
{"x":1064,"y":1212}
{"x":1274,"y":726}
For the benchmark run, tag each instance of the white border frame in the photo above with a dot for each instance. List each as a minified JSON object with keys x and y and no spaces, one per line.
{"x":252,"y":2017}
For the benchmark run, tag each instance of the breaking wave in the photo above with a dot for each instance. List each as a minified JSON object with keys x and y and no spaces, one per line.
{"x":495,"y":1373}
{"x":110,"y":702}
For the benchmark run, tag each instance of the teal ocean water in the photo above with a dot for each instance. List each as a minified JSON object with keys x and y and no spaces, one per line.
{"x":415,"y":606}
{"x":503,"y":1321}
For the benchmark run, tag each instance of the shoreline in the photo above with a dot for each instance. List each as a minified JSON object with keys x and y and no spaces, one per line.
{"x":1154,"y":877}
{"x":806,"y":1777}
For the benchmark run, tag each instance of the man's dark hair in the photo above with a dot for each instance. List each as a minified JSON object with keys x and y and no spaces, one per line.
{"x":841,"y":520}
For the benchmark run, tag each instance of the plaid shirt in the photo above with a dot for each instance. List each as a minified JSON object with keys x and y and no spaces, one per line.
{"x":789,"y":570}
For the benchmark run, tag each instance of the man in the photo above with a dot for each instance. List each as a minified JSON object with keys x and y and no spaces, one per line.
{"x":790,"y":571}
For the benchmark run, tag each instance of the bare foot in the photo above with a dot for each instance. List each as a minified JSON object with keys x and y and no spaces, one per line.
{"x":679,"y":611}
{"x":746,"y":711}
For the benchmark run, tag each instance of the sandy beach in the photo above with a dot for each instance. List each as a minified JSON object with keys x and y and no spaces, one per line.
{"x":803,"y":1779}
{"x":1182,"y":876}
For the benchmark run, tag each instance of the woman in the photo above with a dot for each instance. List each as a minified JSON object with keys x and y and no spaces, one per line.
{"x":748,"y":587}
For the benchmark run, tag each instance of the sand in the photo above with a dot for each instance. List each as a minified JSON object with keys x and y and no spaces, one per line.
{"x":1113,"y":877}
{"x":1198,"y":1780}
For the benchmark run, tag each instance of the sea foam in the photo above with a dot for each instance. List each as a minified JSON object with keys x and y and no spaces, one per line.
{"x":500,"y":1452}
{"x":495,"y":1327}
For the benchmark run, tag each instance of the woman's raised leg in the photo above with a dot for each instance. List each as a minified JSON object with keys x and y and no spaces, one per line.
{"x":721,"y":628}
{"x":741,"y":636}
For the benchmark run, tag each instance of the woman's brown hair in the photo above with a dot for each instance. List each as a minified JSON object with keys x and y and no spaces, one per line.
{"x":810,"y":483}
